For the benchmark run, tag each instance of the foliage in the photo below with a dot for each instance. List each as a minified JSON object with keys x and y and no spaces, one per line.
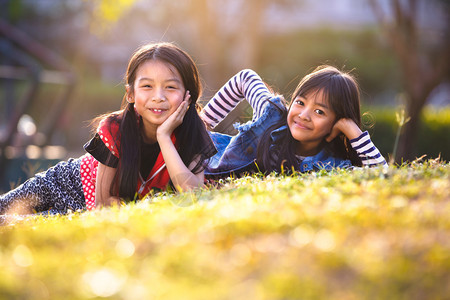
{"x":360,"y":234}
{"x":289,"y":57}
{"x":433,"y":134}
{"x":107,"y":12}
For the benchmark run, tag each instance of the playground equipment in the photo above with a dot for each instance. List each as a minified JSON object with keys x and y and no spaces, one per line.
{"x":26,"y":62}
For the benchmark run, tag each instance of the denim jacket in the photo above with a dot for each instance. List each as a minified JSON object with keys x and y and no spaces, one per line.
{"x":237,"y":154}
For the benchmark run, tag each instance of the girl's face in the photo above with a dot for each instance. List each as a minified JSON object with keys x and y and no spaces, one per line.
{"x":310,"y":120}
{"x":158,"y":91}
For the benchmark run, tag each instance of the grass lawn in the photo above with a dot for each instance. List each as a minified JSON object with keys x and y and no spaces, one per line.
{"x":361,"y":234}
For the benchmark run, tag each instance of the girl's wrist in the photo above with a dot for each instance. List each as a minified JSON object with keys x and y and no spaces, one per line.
{"x":349,"y":128}
{"x":352,"y":131}
{"x":162,"y":137}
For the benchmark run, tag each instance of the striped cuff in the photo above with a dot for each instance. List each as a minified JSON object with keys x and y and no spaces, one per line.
{"x":208,"y":118}
{"x":369,"y":154}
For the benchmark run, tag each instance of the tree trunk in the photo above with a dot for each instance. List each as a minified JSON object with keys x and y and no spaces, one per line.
{"x":408,"y":137}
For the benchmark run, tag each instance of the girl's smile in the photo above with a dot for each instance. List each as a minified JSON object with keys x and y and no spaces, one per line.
{"x":310,"y":120}
{"x":157,"y":111}
{"x":300,"y":125}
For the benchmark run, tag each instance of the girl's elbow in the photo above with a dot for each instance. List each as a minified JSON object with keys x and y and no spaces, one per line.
{"x":191,"y":183}
{"x":189,"y":187}
{"x":247,"y":72}
{"x":106,"y":201}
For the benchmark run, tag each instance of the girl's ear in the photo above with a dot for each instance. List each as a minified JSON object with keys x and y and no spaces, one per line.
{"x":129,"y":95}
{"x":187,"y":97}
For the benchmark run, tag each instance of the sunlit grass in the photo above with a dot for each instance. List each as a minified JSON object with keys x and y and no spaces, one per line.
{"x":361,"y":234}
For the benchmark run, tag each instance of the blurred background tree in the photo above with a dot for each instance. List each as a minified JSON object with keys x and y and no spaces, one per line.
{"x":423,"y":54}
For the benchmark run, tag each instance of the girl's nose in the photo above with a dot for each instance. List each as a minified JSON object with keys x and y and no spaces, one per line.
{"x":305,"y":114}
{"x":158,"y":96}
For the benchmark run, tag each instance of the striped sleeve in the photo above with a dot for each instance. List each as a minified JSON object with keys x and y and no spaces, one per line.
{"x":246,"y":84}
{"x":369,"y":154}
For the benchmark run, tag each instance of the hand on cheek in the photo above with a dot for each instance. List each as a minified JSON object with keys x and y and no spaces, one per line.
{"x":175,"y":119}
{"x":346,"y":126}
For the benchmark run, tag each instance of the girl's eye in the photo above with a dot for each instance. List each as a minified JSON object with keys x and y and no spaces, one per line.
{"x":171,"y":87}
{"x":320,"y":112}
{"x":147,"y":86}
{"x":299,"y":102}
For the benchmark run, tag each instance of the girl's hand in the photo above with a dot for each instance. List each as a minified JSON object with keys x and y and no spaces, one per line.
{"x":174,"y":120}
{"x":346,"y":126}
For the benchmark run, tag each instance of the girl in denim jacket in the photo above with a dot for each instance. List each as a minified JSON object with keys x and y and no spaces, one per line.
{"x":319,"y":129}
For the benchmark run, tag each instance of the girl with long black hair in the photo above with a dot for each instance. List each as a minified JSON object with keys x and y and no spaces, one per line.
{"x":157,"y":139}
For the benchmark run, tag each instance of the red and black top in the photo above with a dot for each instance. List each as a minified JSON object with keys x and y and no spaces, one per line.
{"x":104,"y":147}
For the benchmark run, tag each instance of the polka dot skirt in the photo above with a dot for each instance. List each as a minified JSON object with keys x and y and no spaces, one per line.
{"x":88,"y":172}
{"x":89,"y":167}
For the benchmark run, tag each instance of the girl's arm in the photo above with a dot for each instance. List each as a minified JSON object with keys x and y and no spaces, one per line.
{"x":246,"y":84}
{"x":105,"y":176}
{"x":360,"y":141}
{"x":182,"y":177}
